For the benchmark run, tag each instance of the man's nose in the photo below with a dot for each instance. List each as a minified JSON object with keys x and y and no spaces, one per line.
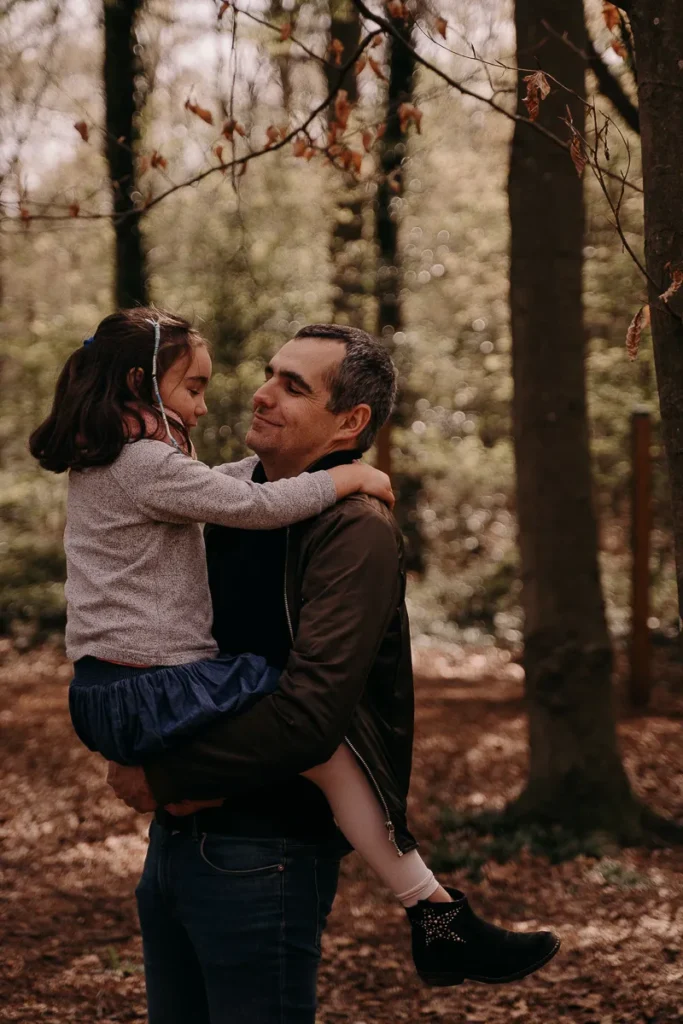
{"x":263,"y":396}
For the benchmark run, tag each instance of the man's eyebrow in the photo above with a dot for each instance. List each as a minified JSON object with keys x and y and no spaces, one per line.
{"x":295,"y":378}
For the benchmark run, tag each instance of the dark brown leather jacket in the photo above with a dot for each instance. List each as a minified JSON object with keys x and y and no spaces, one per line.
{"x":348,"y":677}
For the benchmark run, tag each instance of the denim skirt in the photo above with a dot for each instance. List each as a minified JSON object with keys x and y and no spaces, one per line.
{"x":128,"y":714}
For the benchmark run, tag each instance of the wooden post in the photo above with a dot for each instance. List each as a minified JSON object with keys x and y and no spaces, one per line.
{"x":641,"y":525}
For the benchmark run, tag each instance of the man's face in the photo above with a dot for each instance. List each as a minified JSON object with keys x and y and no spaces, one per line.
{"x":290,"y":408}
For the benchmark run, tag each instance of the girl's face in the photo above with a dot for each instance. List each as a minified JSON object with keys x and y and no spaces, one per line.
{"x":183,"y":385}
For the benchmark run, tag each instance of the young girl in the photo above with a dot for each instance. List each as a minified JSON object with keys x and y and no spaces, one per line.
{"x":138,"y":597}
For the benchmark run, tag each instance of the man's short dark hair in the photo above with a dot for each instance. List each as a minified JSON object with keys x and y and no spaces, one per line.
{"x":365,"y":376}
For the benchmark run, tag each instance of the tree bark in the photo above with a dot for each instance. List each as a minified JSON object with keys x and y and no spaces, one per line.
{"x":121,"y":108}
{"x":346,"y":240}
{"x":389,"y":276}
{"x":658,"y":33}
{"x":575,"y":773}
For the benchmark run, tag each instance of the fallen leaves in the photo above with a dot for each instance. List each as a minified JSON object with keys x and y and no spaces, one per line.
{"x":635,"y":330}
{"x":72,"y":857}
{"x":537,"y":88}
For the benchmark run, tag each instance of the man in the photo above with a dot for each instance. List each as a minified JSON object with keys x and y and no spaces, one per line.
{"x":233,"y":899}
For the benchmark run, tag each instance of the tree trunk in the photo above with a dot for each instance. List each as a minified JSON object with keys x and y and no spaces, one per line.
{"x":120,"y":70}
{"x":389,"y":277}
{"x":575,"y":773}
{"x":658,"y":33}
{"x":346,"y":242}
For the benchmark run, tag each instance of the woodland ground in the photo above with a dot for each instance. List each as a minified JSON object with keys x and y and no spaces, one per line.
{"x":71,"y":854}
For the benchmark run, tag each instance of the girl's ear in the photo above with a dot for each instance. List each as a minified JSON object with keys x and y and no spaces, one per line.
{"x":135,"y":378}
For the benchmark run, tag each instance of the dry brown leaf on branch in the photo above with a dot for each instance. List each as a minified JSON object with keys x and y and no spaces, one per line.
{"x":342,"y":108}
{"x":441,"y":26}
{"x":223,"y":8}
{"x":157,"y":160}
{"x":337,"y":50}
{"x":218,"y":150}
{"x":25,"y":215}
{"x":394,"y":180}
{"x":285,"y":31}
{"x":201,"y":112}
{"x":676,"y":282}
{"x":361,"y":64}
{"x":380,"y":131}
{"x":272,"y":135}
{"x":619,"y":48}
{"x":377,"y":69}
{"x":397,"y":9}
{"x":356,"y":160}
{"x":310,"y":153}
{"x":610,"y":14}
{"x":143,"y":165}
{"x":578,"y":154}
{"x":537,"y":88}
{"x":377,"y":41}
{"x":299,"y":147}
{"x":83,"y":130}
{"x":232,"y":127}
{"x":74,"y":210}
{"x":407,"y":114}
{"x":635,"y":329}
{"x":367,"y":139}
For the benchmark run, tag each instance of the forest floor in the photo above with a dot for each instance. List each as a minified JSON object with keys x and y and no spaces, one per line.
{"x":71,"y":855}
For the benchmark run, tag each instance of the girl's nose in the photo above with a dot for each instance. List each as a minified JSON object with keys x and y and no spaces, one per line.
{"x":201,"y":407}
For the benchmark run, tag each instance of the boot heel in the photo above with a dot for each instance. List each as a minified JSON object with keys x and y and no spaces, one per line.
{"x":436,"y":980}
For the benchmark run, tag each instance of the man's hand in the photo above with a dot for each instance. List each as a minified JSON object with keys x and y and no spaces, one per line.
{"x":130,"y":785}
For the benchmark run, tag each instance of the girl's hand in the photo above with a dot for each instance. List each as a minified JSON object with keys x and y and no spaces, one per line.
{"x":360,"y":477}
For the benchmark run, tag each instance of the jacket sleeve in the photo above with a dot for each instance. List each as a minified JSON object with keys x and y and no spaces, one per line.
{"x":172,"y":488}
{"x":351,"y":591}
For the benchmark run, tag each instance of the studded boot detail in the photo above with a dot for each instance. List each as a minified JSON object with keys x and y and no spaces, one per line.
{"x":450,"y":944}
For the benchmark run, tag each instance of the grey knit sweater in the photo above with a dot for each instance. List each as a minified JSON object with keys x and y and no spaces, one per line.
{"x":137,"y":588}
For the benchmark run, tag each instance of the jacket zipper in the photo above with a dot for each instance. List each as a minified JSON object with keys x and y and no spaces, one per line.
{"x":388,"y":822}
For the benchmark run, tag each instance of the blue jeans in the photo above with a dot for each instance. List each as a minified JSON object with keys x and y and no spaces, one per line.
{"x":231,"y":927}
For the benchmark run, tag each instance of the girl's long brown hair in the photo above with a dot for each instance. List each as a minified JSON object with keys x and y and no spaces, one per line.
{"x":94,"y":404}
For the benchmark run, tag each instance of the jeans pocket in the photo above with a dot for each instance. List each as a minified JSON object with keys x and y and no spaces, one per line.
{"x":240,"y":860}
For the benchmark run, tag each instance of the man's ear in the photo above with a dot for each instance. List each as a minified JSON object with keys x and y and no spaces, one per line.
{"x":135,"y":378}
{"x":353,"y":422}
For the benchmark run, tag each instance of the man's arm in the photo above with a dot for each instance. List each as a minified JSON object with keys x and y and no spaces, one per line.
{"x":351,"y":590}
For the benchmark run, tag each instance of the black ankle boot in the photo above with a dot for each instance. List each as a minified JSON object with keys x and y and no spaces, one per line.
{"x":450,"y":943}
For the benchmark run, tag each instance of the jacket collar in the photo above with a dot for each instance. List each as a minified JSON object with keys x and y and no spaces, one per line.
{"x":339,"y":458}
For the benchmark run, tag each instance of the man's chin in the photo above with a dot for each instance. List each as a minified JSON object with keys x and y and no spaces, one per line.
{"x":258,"y":440}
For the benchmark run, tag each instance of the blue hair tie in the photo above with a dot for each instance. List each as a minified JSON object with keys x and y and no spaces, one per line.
{"x":88,"y":341}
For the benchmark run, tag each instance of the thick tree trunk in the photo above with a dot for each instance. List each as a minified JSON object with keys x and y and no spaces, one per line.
{"x":575,"y":773}
{"x":658,"y":32}
{"x":389,"y":277}
{"x":346,"y":241}
{"x":120,"y":69}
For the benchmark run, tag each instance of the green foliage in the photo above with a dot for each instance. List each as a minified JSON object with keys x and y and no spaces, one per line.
{"x":251,"y":269}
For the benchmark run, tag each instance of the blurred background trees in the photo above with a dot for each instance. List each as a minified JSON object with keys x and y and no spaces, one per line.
{"x":391,"y":212}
